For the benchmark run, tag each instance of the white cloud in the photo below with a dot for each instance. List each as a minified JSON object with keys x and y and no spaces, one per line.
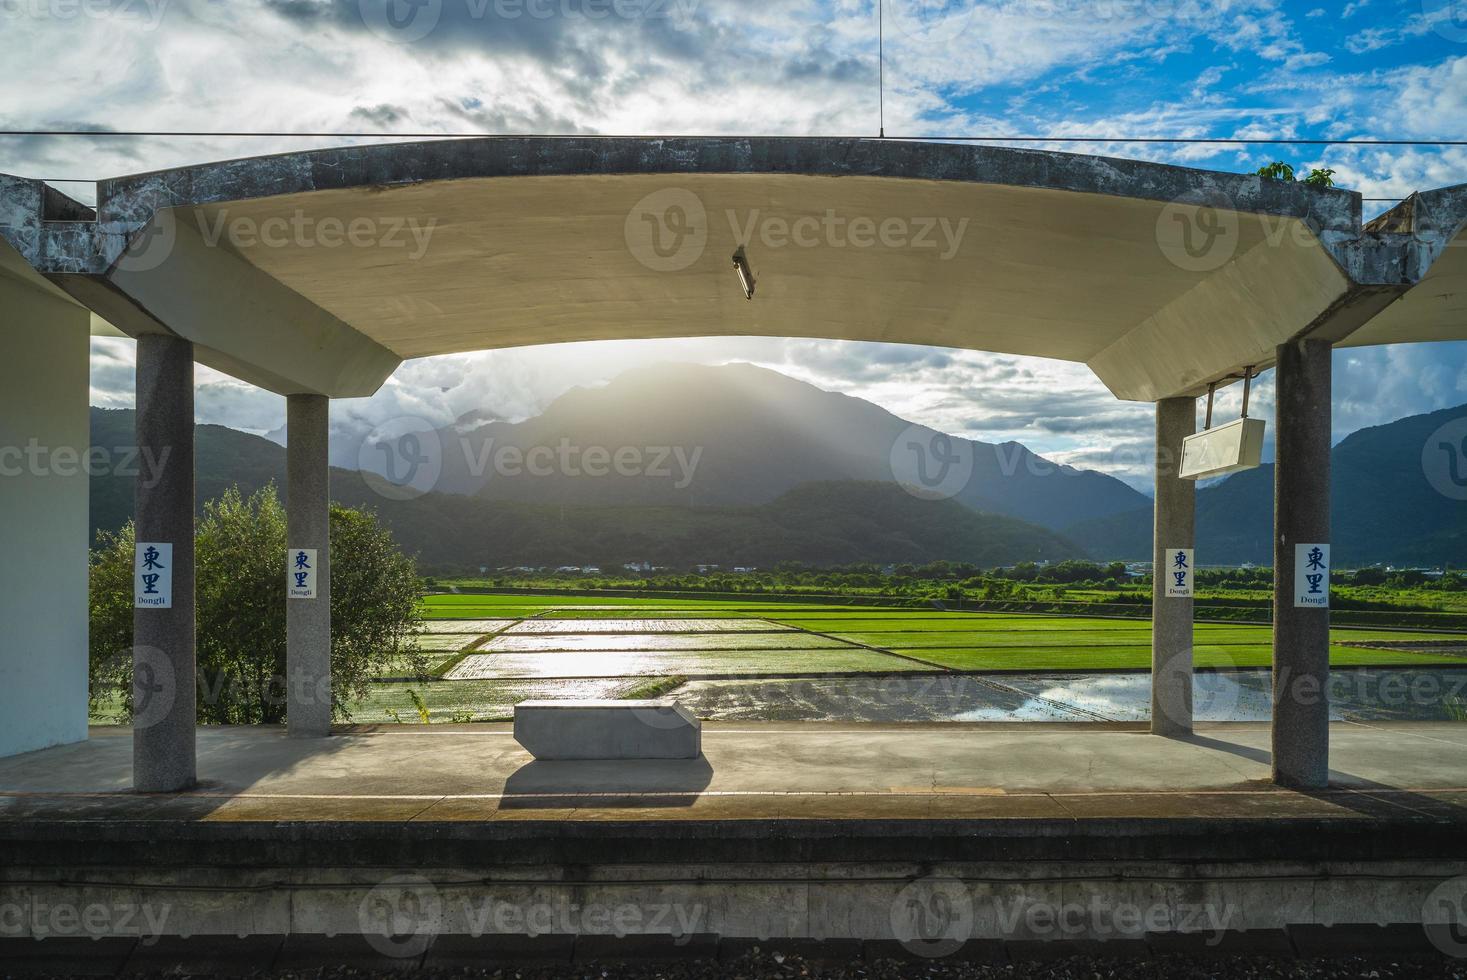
{"x":1105,"y":68}
{"x":1056,"y":408}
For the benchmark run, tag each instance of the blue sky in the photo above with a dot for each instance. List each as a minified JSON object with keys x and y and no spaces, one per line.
{"x":1111,"y":68}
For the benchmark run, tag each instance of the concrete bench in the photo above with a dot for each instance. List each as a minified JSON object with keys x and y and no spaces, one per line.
{"x":607,"y":730}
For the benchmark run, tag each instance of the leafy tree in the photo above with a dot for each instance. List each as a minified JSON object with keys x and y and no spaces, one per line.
{"x":1278,"y":170}
{"x":374,"y":605}
{"x":239,"y":553}
{"x":240,"y":548}
{"x":110,"y":615}
{"x":1368,"y":576}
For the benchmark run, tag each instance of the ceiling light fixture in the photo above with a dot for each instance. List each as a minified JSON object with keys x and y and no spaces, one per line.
{"x":746,"y":275}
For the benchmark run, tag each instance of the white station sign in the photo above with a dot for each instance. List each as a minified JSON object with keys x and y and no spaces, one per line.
{"x":1177,"y":572}
{"x":300,"y":573}
{"x":152,"y":575}
{"x":1222,"y":449}
{"x":1311,"y":576}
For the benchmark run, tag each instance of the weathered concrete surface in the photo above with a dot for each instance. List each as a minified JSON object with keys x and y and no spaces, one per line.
{"x":805,"y":830}
{"x":572,"y":730}
{"x":1435,"y":222}
{"x":916,"y":770}
{"x":1174,"y":527}
{"x":131,"y":201}
{"x":308,"y":519}
{"x":20,"y":217}
{"x":1301,"y":729}
{"x":1199,"y":273}
{"x":165,"y":688}
{"x":408,"y":910}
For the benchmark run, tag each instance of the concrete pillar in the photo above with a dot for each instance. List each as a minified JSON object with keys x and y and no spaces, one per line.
{"x":43,"y":517}
{"x":165,"y":688}
{"x":308,"y":620}
{"x":1173,"y":528}
{"x":1301,"y":505}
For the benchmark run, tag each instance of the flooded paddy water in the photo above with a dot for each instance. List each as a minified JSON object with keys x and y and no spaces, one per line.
{"x":767,"y":662}
{"x":1355,"y":695}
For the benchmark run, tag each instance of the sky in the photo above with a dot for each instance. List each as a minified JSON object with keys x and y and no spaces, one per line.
{"x":1106,"y":68}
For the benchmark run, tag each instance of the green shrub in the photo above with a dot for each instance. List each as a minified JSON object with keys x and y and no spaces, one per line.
{"x":240,"y":546}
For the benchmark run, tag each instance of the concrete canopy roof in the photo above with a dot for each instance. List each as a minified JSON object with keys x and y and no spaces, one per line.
{"x":1436,"y":307}
{"x":319,"y":271}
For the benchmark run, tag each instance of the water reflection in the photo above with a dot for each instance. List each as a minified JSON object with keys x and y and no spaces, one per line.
{"x":547,"y":626}
{"x":1355,"y":695}
{"x":653,"y":644}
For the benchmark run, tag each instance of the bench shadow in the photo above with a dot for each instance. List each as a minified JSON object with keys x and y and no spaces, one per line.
{"x":607,"y":784}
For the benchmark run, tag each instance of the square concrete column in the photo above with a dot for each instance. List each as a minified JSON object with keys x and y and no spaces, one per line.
{"x":43,"y":518}
{"x":1173,"y":528}
{"x":165,"y":688}
{"x":308,"y":532}
{"x":1301,"y":508}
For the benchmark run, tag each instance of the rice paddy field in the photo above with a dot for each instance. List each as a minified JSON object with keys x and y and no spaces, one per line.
{"x":743,"y":659}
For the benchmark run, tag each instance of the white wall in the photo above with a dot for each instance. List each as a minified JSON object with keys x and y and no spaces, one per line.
{"x":44,"y":380}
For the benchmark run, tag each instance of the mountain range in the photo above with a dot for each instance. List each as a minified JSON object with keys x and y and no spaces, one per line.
{"x":1393,"y":500}
{"x":756,"y":434}
{"x":820,"y":523}
{"x":753,"y":467}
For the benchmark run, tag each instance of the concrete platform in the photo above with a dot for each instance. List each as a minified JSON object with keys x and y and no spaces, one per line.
{"x":802,"y":831}
{"x":754,"y":771}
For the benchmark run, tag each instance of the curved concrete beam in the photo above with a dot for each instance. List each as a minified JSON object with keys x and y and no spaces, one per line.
{"x":240,"y":320}
{"x":129,"y":202}
{"x":243,"y":321}
{"x":1082,"y":258}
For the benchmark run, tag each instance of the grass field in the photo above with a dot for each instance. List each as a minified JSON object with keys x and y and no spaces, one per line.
{"x":488,"y":652}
